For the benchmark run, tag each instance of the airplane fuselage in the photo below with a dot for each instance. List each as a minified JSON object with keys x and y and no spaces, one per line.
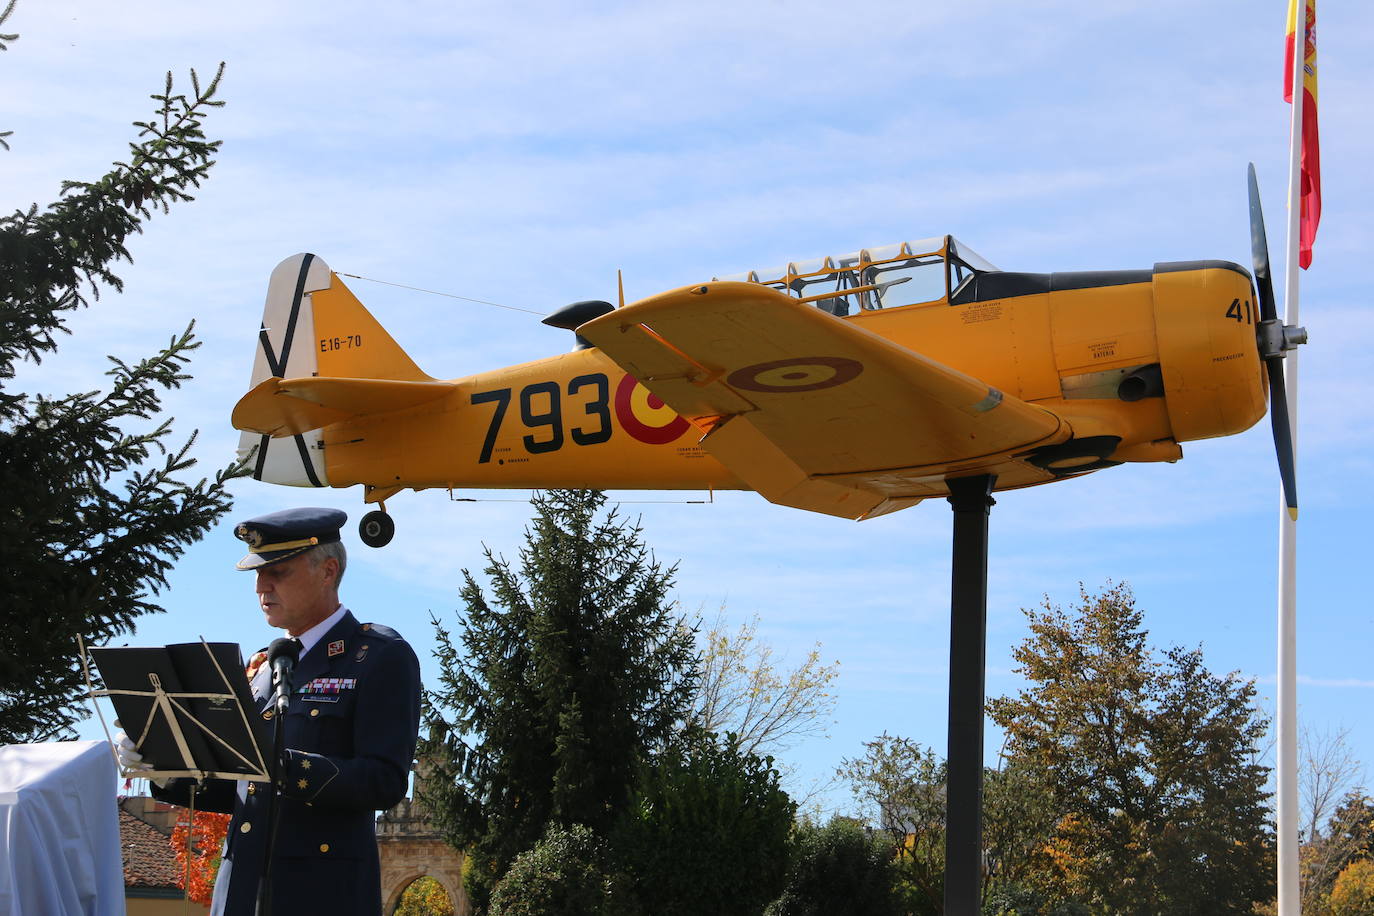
{"x":1115,"y":366}
{"x":1066,"y":342}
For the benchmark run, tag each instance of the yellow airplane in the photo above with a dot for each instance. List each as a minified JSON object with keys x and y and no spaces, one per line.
{"x":854,"y":386}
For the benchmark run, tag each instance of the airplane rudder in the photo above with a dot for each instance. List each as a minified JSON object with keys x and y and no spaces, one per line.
{"x":283,"y":349}
{"x":313,"y":324}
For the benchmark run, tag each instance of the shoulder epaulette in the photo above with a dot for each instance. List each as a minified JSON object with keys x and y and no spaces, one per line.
{"x":381,"y":630}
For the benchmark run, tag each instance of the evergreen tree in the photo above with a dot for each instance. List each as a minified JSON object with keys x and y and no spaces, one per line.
{"x":558,"y":689}
{"x":1150,"y":761}
{"x":92,"y":508}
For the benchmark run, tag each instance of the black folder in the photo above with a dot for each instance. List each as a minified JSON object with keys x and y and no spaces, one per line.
{"x":196,"y":690}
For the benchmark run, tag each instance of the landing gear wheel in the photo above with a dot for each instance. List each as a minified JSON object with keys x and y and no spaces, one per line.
{"x":376,"y":529}
{"x":1077,"y":456}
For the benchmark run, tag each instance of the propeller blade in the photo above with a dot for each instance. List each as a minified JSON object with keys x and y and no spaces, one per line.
{"x":1259,"y":252}
{"x":1283,"y":436}
{"x":1278,"y":391}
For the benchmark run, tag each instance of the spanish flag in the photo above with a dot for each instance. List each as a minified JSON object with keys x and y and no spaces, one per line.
{"x":1311,"y":193}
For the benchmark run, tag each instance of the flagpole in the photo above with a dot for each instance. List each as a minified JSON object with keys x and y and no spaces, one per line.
{"x":1289,"y":903}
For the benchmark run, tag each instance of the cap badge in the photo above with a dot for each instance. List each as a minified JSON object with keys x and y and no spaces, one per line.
{"x":251,"y":536}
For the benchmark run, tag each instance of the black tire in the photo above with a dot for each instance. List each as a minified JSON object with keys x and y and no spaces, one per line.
{"x":376,"y":529}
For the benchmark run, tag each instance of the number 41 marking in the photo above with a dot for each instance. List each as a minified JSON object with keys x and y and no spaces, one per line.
{"x":1235,"y":311}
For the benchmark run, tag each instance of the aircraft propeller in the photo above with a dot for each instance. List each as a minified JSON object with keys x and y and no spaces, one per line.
{"x":1274,"y":339}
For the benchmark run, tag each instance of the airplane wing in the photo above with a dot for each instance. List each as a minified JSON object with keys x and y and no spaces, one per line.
{"x":286,"y":407}
{"x":813,"y":411}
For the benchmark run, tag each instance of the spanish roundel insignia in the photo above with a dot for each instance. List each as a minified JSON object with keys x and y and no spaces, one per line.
{"x":643,"y":414}
{"x":336,"y":648}
{"x":786,"y":376}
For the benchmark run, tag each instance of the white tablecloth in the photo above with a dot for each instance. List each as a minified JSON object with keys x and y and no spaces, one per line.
{"x":59,"y":830}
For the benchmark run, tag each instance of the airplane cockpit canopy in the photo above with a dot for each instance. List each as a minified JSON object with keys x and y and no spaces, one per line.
{"x":904,"y":273}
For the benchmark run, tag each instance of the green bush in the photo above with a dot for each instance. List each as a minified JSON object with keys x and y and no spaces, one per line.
{"x":1014,"y":900}
{"x":708,"y":831}
{"x":564,"y":874}
{"x":838,"y":870}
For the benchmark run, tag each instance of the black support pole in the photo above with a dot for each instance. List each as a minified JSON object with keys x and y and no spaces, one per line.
{"x":971,"y":498}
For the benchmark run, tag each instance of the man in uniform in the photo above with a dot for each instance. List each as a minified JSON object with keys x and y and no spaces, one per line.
{"x":349,"y":734}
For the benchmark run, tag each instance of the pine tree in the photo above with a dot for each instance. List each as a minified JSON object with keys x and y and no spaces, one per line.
{"x":1150,"y":762}
{"x":557,"y":689}
{"x":93,"y":511}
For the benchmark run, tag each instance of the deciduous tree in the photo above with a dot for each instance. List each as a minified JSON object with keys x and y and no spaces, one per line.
{"x":1337,"y":839}
{"x":899,"y":787}
{"x":1334,"y":813}
{"x":1353,"y":892}
{"x":424,"y":897}
{"x":1151,"y":762}
{"x":1019,"y":818}
{"x":743,"y":692}
{"x":201,"y":842}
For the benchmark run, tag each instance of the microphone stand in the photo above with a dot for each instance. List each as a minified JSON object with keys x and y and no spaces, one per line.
{"x":273,"y":798}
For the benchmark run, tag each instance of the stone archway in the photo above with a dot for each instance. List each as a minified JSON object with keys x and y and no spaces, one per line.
{"x":409,"y":848}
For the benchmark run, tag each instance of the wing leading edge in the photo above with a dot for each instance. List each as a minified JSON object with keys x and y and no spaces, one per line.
{"x":812,"y":411}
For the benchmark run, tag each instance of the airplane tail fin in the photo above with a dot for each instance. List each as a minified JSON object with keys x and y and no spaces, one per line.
{"x":313,"y":327}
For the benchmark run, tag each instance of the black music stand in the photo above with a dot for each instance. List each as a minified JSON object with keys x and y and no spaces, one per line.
{"x":188,"y":709}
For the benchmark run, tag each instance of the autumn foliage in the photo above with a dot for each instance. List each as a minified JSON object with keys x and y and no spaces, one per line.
{"x":425,"y":897}
{"x":207,"y":839}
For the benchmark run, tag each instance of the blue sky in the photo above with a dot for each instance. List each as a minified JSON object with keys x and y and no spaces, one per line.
{"x":523,"y":152}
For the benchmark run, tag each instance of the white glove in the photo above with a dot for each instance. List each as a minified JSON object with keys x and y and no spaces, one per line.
{"x":130,"y":760}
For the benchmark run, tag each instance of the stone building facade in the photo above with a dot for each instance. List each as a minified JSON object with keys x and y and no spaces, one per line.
{"x":410,"y":849}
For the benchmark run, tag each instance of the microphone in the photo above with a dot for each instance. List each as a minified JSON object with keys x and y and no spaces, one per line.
{"x":282,"y":655}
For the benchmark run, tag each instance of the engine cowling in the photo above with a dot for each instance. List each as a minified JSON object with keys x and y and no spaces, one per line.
{"x":1205,"y":320}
